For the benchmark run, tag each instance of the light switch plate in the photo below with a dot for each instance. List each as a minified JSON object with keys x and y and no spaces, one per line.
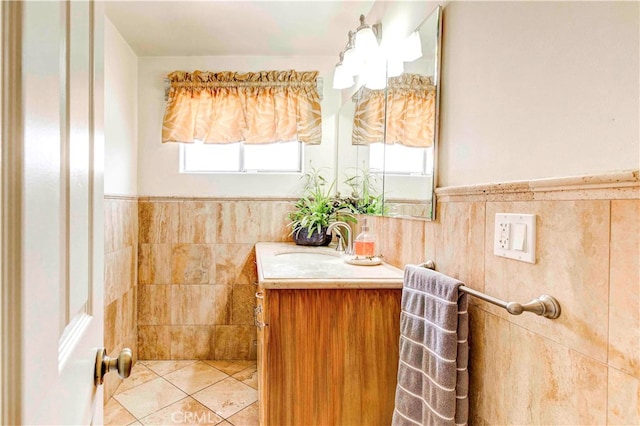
{"x":515,"y":236}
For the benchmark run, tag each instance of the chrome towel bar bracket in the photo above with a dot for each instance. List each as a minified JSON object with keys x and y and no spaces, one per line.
{"x":545,"y":305}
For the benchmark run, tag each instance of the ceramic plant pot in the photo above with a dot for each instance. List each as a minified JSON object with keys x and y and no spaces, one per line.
{"x":302,"y":237}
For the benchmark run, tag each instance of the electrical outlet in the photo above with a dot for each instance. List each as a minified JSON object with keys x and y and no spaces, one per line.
{"x":515,"y":236}
{"x":505,"y":231}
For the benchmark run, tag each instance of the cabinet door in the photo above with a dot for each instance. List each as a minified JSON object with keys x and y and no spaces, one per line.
{"x":330,"y":356}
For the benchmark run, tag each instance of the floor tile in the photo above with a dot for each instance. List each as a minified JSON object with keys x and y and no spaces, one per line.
{"x":187,"y":411}
{"x":140,"y":374}
{"x":165,"y":367}
{"x":248,"y":376}
{"x":231,"y":367}
{"x":227,"y":397}
{"x":116,"y":414}
{"x":149,"y":397}
{"x":246,"y":417}
{"x":195,"y":377}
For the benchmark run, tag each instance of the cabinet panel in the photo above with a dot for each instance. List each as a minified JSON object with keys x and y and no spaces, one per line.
{"x":331,"y":357}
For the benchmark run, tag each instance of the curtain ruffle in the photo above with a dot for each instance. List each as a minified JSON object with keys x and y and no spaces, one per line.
{"x":256,"y":107}
{"x":410,"y":113}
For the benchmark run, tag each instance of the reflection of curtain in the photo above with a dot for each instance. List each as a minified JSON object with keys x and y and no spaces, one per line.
{"x":260,"y":107}
{"x":411,"y":100}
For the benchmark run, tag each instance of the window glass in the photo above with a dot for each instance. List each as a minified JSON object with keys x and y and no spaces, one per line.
{"x":238,"y":157}
{"x":400,"y":159}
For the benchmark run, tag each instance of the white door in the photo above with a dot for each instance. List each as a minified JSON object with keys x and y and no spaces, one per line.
{"x":52,"y":211}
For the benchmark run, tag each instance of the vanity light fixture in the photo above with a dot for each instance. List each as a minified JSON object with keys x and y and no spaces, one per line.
{"x":342,"y":77}
{"x":361,"y":53}
{"x":366,"y":38}
{"x":351,"y":59}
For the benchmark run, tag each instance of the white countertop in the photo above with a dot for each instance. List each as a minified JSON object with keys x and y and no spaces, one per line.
{"x":289,"y":266}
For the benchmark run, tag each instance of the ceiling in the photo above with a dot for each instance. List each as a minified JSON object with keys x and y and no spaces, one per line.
{"x":241,"y":27}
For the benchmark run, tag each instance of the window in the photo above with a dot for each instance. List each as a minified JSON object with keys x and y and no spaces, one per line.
{"x":241,"y":158}
{"x":400,"y":159}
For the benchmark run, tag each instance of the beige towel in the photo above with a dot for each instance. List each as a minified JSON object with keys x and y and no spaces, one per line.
{"x":432,"y":372}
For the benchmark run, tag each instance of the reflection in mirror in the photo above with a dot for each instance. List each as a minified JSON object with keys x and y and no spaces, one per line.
{"x":400,"y":150}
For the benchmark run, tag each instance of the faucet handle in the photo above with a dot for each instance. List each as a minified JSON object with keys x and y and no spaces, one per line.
{"x":340,"y":246}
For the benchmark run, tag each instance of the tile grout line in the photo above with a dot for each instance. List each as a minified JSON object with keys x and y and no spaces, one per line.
{"x":187,"y":394}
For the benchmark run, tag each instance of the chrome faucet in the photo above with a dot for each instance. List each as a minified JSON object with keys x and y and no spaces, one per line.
{"x":337,"y":225}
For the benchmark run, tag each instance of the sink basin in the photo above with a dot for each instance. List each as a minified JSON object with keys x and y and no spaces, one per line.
{"x":307,"y":256}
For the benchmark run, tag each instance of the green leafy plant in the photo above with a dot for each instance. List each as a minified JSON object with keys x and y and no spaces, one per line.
{"x":317,"y":208}
{"x":364,"y":198}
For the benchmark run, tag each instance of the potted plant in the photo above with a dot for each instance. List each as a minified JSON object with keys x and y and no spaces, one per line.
{"x":364,"y":198}
{"x":316,"y":209}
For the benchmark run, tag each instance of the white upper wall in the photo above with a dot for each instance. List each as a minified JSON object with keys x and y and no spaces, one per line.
{"x":159,"y":175}
{"x":121,"y":112}
{"x":538,"y":89}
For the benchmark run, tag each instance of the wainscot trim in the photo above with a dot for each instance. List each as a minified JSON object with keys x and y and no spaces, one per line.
{"x":621,"y":185}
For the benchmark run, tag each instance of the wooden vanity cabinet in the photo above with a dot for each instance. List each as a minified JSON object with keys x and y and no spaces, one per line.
{"x":327,"y":356}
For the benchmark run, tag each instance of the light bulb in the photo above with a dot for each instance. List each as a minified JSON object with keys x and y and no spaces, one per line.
{"x":352,"y":61}
{"x":376,"y":72}
{"x":366,"y":42}
{"x":342,"y":79}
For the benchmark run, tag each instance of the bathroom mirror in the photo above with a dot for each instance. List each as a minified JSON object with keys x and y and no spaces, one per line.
{"x":387,"y":138}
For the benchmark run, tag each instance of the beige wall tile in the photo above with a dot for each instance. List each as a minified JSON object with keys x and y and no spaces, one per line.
{"x":235,"y":264}
{"x":192,"y":342}
{"x":109,"y":231}
{"x":119,"y":276}
{"x":158,"y":222}
{"x":624,"y":293}
{"x":459,"y":242}
{"x":154,"y":264}
{"x":243,"y":303}
{"x":235,"y":342}
{"x":198,"y":222}
{"x":572,"y":247}
{"x":120,"y":297}
{"x":154,"y":342}
{"x":193,"y":264}
{"x":222,"y":300}
{"x":130,"y":218}
{"x":400,"y":241}
{"x":247,"y":222}
{"x":193,"y":305}
{"x":128,"y":313}
{"x":272,"y":219}
{"x":624,"y":399}
{"x":528,"y":379}
{"x":238,"y":222}
{"x":154,"y":304}
{"x":110,"y":318}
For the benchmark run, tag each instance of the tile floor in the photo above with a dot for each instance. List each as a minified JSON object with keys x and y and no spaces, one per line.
{"x":186,"y":393}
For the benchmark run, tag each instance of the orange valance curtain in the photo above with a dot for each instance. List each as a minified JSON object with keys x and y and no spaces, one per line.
{"x":411,"y":100}
{"x":255,"y":107}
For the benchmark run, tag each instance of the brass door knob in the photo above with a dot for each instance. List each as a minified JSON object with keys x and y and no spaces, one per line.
{"x":105,"y":364}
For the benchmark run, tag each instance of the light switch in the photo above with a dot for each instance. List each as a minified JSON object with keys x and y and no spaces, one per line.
{"x":519,"y":236}
{"x":515,"y":236}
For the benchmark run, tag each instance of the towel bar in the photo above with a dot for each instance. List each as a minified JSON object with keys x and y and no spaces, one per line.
{"x":545,"y":305}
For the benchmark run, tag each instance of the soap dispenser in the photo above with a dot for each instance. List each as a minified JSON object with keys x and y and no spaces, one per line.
{"x":364,"y":244}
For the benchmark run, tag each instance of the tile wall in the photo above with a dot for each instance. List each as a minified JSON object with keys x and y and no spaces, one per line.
{"x":583,"y":368}
{"x":120,"y":290}
{"x":196,"y":275}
